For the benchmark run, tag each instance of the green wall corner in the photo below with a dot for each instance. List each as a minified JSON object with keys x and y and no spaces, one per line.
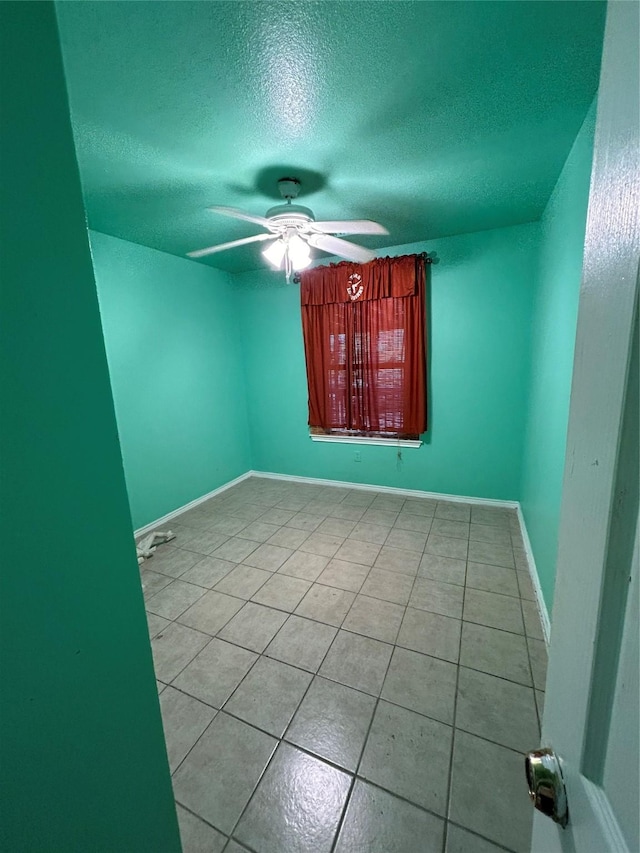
{"x":172,"y":338}
{"x":554,"y":329}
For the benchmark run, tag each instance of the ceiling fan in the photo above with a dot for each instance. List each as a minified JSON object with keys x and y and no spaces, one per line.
{"x":293,"y":229}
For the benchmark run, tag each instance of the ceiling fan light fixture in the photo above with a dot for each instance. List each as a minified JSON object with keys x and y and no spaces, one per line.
{"x":292,"y":230}
{"x":274,"y":253}
{"x":299,"y":253}
{"x":300,"y":263}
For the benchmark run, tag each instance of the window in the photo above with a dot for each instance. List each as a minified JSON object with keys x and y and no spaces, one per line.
{"x":365,"y":348}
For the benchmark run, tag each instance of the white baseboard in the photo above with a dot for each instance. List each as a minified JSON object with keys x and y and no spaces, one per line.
{"x":153,"y":525}
{"x":411,"y":493}
{"x":535,"y":580}
{"x":407,"y":493}
{"x":392,"y":490}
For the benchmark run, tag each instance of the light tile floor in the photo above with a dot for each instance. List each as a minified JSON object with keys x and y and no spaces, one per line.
{"x":346,"y":671}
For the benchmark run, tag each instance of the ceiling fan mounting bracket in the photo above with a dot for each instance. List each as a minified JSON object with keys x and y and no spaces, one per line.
{"x":289,"y":187}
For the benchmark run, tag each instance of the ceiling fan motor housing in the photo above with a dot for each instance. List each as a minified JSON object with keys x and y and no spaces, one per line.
{"x":290,"y":214}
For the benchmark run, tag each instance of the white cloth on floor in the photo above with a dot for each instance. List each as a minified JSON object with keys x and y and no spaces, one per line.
{"x":146,"y":547}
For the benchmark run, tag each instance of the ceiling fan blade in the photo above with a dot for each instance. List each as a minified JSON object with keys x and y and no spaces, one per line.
{"x":349,"y":226}
{"x":240,"y":214}
{"x":343,"y":248}
{"x":200,"y":253}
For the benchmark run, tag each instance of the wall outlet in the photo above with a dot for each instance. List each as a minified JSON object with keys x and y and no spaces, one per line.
{"x":356,"y":456}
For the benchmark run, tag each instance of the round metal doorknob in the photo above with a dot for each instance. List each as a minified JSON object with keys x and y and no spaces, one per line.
{"x":546,"y":785}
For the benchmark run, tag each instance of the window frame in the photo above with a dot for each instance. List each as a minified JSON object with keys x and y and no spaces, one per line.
{"x":355,"y":437}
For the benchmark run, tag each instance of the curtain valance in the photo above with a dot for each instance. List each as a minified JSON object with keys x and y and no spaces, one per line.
{"x":347,"y":282}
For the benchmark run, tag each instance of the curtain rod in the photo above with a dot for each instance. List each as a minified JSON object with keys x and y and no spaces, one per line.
{"x":424,"y":255}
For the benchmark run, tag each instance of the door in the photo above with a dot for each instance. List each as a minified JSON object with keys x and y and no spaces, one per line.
{"x":591,"y":709}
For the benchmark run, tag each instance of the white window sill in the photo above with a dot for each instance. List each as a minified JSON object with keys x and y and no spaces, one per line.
{"x":360,"y":439}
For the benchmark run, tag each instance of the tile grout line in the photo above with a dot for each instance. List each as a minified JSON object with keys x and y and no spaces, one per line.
{"x":453,"y":718}
{"x":211,"y":637}
{"x":228,"y":699}
{"x":219,"y":710}
{"x":374,"y":785}
{"x":370,"y":569}
{"x":496,"y":844}
{"x":289,"y":613}
{"x":533,"y":681}
{"x":378,"y":699}
{"x":316,"y":673}
{"x":362,"y":751}
{"x":340,"y":683}
{"x":391,"y":529}
{"x":281,"y":739}
{"x":342,"y":769}
{"x":373,"y":715}
{"x":340,"y":627}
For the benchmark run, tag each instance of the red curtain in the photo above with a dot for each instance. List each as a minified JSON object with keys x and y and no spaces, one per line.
{"x":364,"y":329}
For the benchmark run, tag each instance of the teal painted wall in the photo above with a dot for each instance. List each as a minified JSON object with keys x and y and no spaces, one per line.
{"x":556,"y":311}
{"x":82,"y":760}
{"x":173,"y":347}
{"x":480,"y":298}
